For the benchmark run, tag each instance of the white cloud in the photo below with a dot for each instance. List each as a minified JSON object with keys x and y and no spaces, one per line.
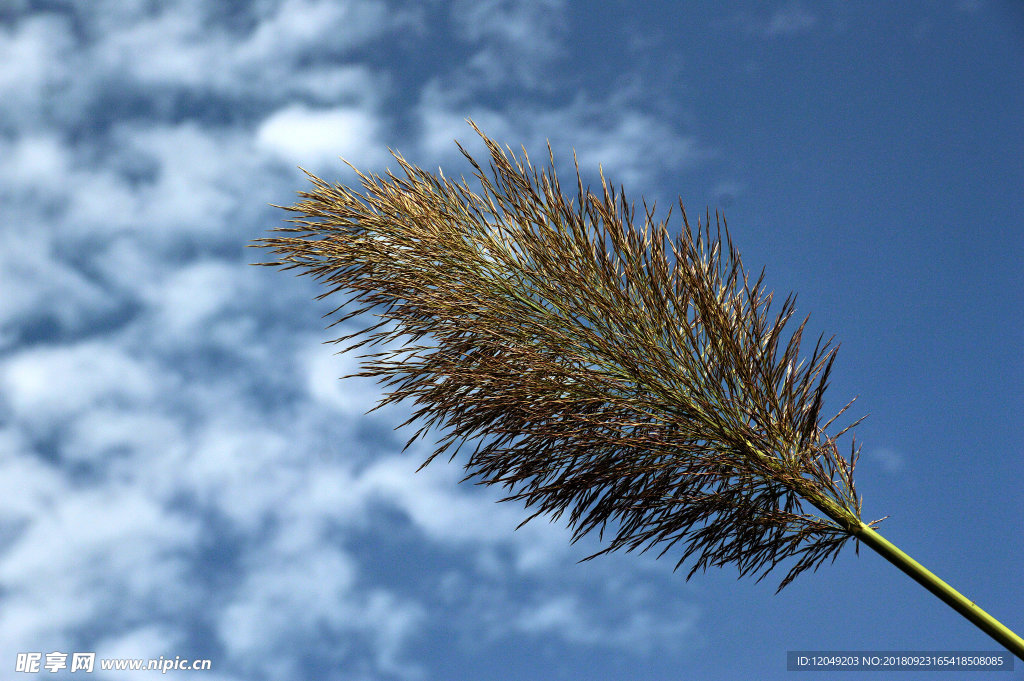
{"x":319,"y":585}
{"x":102,"y":435}
{"x":522,"y":24}
{"x":393,"y":623}
{"x":178,"y":50}
{"x":630,"y":626}
{"x":184,"y":48}
{"x":48,"y":386}
{"x":240,"y":471}
{"x":35,"y":54}
{"x":199,"y":302}
{"x":313,"y":138}
{"x":193,"y":176}
{"x":27,"y":484}
{"x":150,"y":642}
{"x":349,"y":83}
{"x":112,"y":50}
{"x":305,"y":26}
{"x":199,"y":175}
{"x":32,"y":162}
{"x":324,"y":367}
{"x":314,"y":581}
{"x":429,"y":500}
{"x":62,"y":568}
{"x":514,"y":40}
{"x":39,"y":286}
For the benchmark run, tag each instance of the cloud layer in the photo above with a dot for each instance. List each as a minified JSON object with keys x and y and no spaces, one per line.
{"x":182,"y":473}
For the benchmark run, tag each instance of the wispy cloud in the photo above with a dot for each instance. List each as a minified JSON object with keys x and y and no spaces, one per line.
{"x":569,"y":617}
{"x":889,"y":459}
{"x":632,"y":145}
{"x":512,"y":42}
{"x":788,"y":20}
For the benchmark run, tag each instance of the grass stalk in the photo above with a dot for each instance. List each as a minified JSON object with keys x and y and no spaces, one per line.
{"x":635,"y":383}
{"x":947,"y":594}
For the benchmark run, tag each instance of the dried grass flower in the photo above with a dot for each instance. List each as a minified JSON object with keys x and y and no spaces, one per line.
{"x":637,"y":384}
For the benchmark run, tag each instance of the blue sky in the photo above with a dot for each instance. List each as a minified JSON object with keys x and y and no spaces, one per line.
{"x":182,"y":474}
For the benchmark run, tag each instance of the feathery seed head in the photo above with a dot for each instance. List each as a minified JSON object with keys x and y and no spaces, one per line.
{"x":604,"y":370}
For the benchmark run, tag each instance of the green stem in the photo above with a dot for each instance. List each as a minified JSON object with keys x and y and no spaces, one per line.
{"x":945,"y":592}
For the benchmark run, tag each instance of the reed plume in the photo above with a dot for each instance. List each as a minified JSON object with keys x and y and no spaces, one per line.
{"x":603,"y":370}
